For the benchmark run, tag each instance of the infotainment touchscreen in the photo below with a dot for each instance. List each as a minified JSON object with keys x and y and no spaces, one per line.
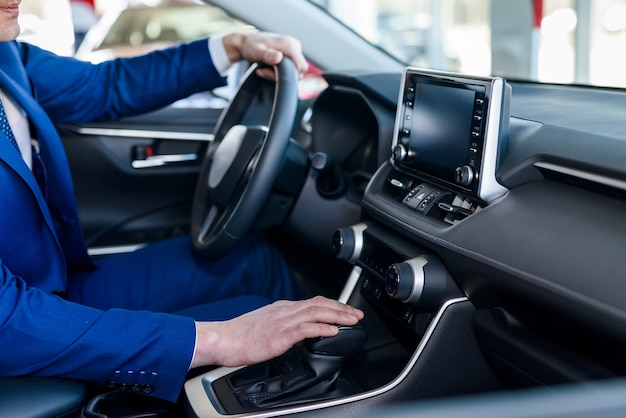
{"x":452,"y":130}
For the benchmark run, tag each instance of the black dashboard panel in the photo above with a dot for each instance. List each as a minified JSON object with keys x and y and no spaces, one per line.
{"x":466,"y":295}
{"x":550,"y":250}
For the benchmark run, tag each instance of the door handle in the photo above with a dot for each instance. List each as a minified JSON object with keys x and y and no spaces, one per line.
{"x":164,"y":159}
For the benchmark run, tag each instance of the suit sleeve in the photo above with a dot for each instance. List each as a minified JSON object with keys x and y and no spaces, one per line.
{"x":78,"y":92}
{"x":44,"y":335}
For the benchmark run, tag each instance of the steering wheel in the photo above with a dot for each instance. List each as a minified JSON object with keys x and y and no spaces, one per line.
{"x":242,"y":163}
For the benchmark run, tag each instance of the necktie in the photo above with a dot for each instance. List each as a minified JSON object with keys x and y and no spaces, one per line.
{"x":6,"y":128}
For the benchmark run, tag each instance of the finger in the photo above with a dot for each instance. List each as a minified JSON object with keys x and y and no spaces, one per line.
{"x":266,"y":73}
{"x":311,"y":314}
{"x":277,"y":48}
{"x":334,"y":304}
{"x":271,"y":56}
{"x":317,"y":302}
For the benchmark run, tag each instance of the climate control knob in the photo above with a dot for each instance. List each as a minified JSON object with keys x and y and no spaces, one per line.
{"x":405,"y":281}
{"x":347,"y":243}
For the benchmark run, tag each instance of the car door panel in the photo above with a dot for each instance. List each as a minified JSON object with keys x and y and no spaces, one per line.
{"x":134,"y":179}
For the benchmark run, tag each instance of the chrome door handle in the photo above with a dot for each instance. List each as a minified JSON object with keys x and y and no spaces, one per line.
{"x":164,"y":159}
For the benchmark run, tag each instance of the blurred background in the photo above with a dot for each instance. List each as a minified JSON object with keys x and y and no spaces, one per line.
{"x":560,"y":41}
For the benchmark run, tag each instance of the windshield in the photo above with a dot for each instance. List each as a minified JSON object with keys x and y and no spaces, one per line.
{"x":555,"y":41}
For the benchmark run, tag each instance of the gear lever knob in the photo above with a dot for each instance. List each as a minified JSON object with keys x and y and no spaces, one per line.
{"x":348,"y":339}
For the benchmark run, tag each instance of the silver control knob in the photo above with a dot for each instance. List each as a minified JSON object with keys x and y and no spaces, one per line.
{"x":464,"y":175}
{"x":405,"y":281}
{"x":399,"y":153}
{"x":348,"y":242}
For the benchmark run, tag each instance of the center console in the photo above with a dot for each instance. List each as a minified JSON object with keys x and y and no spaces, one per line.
{"x":406,"y":294}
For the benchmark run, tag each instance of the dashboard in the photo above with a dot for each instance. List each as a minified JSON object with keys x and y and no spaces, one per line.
{"x":545,"y":257}
{"x":513,"y":279}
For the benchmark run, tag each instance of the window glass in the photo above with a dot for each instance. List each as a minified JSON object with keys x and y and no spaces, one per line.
{"x":560,"y":41}
{"x":167,"y":24}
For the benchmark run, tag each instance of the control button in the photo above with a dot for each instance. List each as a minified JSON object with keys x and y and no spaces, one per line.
{"x":413,"y":203}
{"x":464,"y":175}
{"x":366,"y":284}
{"x":407,"y":316}
{"x":377,"y":292}
{"x":428,"y":201}
{"x":478,"y":117}
{"x":399,"y":153}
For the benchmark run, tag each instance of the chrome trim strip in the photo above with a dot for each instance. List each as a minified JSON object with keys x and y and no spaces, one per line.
{"x":489,"y":188}
{"x":358,"y":241}
{"x":203,"y":408}
{"x":137,"y":133}
{"x":114,"y":250}
{"x":350,"y":285}
{"x":584,"y":175}
{"x":419,"y":278}
{"x":165,"y":159}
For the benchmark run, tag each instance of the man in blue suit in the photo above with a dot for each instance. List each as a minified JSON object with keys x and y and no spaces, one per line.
{"x":139,"y":320}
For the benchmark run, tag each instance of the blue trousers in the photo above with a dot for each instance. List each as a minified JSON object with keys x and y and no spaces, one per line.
{"x":168,"y":277}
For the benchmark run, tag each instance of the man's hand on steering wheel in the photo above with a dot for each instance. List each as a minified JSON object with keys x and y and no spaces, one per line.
{"x":266,"y":48}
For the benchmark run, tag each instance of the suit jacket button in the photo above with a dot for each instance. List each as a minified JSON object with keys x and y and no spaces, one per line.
{"x":148,"y":388}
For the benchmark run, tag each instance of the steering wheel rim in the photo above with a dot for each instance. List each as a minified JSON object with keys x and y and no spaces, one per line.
{"x":242,"y":163}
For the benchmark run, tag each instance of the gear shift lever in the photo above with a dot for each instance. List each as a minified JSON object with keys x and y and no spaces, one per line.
{"x":348,"y":339}
{"x":304,"y":377}
{"x":325,"y":356}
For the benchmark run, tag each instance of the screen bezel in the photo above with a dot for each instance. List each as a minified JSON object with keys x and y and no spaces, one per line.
{"x":486,"y":150}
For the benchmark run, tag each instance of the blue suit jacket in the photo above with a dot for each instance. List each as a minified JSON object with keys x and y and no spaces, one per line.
{"x":40,"y":236}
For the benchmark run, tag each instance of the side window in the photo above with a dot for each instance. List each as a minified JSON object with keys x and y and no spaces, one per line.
{"x":96,"y":31}
{"x":135,"y":30}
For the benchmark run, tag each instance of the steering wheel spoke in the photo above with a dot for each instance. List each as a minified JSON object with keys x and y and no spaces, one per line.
{"x":241,"y":167}
{"x":208,"y":223}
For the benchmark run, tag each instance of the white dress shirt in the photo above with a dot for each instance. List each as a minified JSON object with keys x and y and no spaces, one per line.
{"x":19,"y":125}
